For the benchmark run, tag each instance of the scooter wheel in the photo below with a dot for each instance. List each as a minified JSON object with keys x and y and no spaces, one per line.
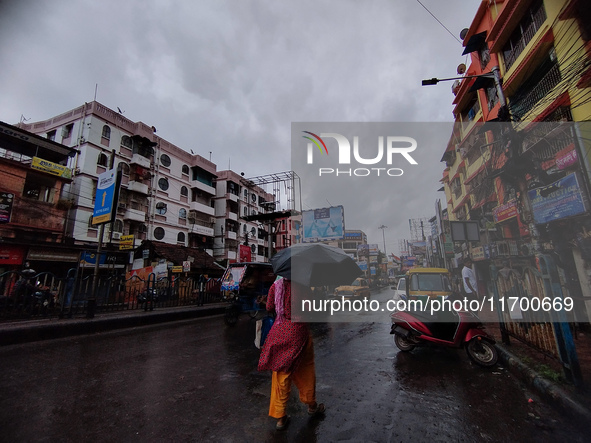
{"x":403,"y":344}
{"x":482,"y":352}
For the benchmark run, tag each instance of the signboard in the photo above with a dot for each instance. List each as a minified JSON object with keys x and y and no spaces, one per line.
{"x":245,"y":253}
{"x":323,"y":224}
{"x":51,"y":168}
{"x":362,"y":265}
{"x":177,"y":269}
{"x":566,"y":158}
{"x":126,"y":242}
{"x":354,"y":236}
{"x":43,"y":254}
{"x":105,"y":197}
{"x":6,"y":201}
{"x":478,"y":253}
{"x":505,"y":211}
{"x":186,"y":266}
{"x":559,"y":200}
{"x":11,"y":255}
{"x":107,"y":260}
{"x":373,"y":249}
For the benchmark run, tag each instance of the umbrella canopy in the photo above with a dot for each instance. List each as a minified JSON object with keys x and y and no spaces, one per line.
{"x":315,"y":265}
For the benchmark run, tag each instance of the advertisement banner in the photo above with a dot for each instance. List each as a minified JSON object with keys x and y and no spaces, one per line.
{"x":505,"y":211}
{"x":323,"y":224}
{"x":557,"y":201}
{"x":245,"y":253}
{"x":51,"y":168}
{"x":6,"y":201}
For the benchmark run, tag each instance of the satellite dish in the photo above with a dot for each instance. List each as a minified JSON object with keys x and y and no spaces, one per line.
{"x":463,"y":33}
{"x":461,"y":68}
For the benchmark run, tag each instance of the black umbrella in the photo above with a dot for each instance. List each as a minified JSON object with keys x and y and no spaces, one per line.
{"x":315,"y":265}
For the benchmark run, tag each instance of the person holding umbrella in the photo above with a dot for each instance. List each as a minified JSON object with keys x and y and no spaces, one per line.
{"x":288,"y":352}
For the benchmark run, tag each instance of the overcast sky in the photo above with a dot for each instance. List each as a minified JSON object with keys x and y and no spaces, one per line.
{"x":231,"y":76}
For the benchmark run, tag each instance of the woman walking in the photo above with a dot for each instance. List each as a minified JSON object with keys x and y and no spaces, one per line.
{"x":288,"y":352}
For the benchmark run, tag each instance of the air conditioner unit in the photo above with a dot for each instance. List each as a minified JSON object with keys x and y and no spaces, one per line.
{"x":116,"y":235}
{"x":122,"y":205}
{"x":212,"y":220}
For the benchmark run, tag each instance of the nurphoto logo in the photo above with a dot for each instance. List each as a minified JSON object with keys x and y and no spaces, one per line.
{"x":402,"y":146}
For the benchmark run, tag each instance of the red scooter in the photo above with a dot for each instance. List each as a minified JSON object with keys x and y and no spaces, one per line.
{"x":453,"y":329}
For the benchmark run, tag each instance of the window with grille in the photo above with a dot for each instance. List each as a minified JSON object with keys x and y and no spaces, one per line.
{"x":161,"y":208}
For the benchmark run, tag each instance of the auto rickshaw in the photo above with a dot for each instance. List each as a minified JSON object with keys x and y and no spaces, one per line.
{"x":242,"y":286}
{"x":428,"y":283}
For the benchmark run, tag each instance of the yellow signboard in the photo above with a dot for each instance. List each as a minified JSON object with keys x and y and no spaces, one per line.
{"x":177,"y":269}
{"x":51,"y":168}
{"x":126,"y":242}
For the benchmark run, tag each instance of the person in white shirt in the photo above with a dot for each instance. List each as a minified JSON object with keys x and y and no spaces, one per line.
{"x":469,"y":280}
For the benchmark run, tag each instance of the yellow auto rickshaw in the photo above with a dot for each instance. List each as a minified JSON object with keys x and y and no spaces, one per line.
{"x":428,"y":283}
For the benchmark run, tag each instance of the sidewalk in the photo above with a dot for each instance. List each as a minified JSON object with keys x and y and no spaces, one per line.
{"x":50,"y":328}
{"x":545,"y":375}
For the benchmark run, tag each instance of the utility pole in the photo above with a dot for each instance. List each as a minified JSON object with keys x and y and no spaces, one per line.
{"x":384,"y":239}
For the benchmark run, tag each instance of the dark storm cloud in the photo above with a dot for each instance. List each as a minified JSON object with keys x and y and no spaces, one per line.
{"x":229,"y":77}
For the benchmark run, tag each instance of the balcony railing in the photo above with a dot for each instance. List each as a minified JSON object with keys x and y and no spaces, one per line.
{"x":529,"y":98}
{"x":512,"y":55}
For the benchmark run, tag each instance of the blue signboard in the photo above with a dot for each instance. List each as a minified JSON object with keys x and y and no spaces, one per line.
{"x":559,"y":200}
{"x":105,"y":197}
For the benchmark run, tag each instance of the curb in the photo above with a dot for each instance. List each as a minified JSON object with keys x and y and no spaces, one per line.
{"x":548,"y":390}
{"x":60,"y":328}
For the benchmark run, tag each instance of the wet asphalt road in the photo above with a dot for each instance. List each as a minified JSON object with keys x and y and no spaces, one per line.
{"x":197,"y":381}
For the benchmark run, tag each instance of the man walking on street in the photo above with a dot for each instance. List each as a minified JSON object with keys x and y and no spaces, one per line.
{"x":469,"y":280}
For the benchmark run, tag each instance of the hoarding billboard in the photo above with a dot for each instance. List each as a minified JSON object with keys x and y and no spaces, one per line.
{"x":323,"y":224}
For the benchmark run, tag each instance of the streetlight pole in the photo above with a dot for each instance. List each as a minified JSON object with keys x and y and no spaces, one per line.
{"x":494,"y":74}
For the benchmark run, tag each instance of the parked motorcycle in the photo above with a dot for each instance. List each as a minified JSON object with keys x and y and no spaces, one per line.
{"x":453,"y":329}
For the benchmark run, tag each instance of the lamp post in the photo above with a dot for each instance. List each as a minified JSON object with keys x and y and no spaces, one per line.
{"x":493,"y":74}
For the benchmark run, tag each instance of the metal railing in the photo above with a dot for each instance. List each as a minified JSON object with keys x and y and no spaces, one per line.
{"x":26,"y":296}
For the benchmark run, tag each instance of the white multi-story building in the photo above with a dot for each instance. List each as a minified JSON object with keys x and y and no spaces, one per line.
{"x":237,"y":198}
{"x":166,"y":192}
